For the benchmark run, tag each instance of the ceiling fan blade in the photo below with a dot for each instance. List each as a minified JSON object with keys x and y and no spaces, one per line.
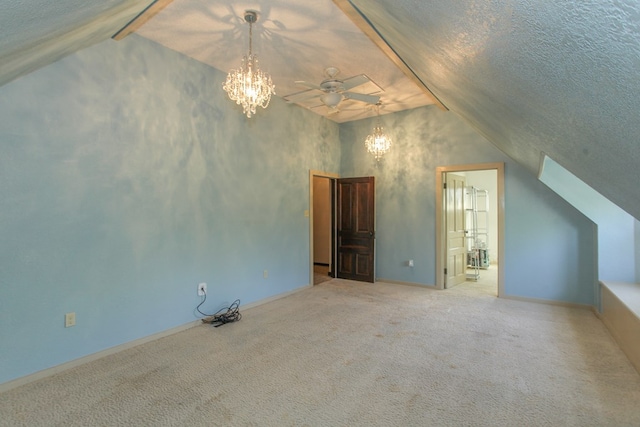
{"x":354,"y":81}
{"x":369,"y":99}
{"x":309,"y":85}
{"x":300,"y":96}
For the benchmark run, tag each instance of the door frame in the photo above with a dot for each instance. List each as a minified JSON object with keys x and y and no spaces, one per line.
{"x":333,"y":177}
{"x":440,"y":226}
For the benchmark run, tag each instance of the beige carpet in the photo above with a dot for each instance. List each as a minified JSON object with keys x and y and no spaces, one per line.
{"x":354,"y":354}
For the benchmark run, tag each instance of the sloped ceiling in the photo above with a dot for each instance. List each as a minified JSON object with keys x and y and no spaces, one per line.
{"x":561,"y":78}
{"x":35,"y":33}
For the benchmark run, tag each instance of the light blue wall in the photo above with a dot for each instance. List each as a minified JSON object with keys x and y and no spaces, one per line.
{"x":126,"y":178}
{"x":615,"y":228}
{"x":546,"y":243}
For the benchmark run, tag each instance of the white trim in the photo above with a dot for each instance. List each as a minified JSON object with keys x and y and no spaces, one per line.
{"x":398,"y":282}
{"x":125,"y":346}
{"x":94,"y":356}
{"x":549,"y":302}
{"x":275,"y":297}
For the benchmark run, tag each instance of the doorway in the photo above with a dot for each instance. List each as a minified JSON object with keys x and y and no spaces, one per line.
{"x":341,"y":227}
{"x":479,"y":217}
{"x":322,"y":226}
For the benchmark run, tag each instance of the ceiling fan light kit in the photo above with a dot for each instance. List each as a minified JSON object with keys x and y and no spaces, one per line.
{"x":331,"y":99}
{"x":332,"y":91}
{"x":248,"y":85}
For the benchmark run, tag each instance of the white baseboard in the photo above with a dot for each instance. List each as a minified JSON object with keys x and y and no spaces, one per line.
{"x":398,"y":282}
{"x":118,"y":348}
{"x":94,"y":356}
{"x":549,"y":302}
{"x":275,"y":297}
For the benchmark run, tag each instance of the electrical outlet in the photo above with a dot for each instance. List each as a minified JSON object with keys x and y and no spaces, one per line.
{"x":265,"y":274}
{"x":410,"y":263}
{"x":69,"y":320}
{"x":202,"y":289}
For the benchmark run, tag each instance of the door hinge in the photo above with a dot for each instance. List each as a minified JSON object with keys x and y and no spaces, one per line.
{"x":445,"y":185}
{"x":445,"y":271}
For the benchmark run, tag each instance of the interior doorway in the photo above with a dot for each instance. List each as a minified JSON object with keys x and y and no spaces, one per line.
{"x":341,"y":227}
{"x":322,"y":187}
{"x":475,"y":211}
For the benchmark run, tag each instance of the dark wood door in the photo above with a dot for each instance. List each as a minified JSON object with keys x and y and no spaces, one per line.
{"x":356,"y":232}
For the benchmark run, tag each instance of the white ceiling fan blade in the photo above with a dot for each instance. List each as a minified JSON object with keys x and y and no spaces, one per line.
{"x":369,"y":99}
{"x":309,"y":85}
{"x":354,"y":81}
{"x":300,"y":96}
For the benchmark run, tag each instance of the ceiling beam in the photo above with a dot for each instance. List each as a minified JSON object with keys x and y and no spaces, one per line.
{"x":144,"y":16}
{"x":367,"y":27}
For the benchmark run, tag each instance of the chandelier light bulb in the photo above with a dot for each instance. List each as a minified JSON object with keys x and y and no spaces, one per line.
{"x":248,"y":85}
{"x":378,"y":143}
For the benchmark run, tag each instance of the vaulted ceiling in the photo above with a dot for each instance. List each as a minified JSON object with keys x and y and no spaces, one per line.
{"x":534,"y":77}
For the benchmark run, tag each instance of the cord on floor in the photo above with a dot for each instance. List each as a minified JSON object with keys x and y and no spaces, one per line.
{"x":222,"y":316}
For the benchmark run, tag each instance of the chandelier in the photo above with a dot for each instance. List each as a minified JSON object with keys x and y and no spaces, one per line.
{"x":248,"y":85}
{"x":378,"y":143}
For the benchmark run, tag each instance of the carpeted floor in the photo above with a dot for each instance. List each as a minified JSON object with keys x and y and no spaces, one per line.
{"x":355,"y":354}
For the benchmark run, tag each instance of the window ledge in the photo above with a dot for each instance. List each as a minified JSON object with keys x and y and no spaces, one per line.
{"x":627,"y":293}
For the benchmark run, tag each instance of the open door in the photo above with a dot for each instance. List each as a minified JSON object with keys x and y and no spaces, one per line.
{"x":456,"y":270}
{"x":356,"y":229}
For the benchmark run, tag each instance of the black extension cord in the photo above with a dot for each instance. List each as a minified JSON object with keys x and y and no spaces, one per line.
{"x":222,"y":316}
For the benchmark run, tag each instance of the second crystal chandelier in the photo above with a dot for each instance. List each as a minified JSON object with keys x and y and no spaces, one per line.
{"x":378,"y":143}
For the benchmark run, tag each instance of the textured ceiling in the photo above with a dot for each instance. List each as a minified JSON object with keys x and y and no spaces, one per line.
{"x":561,"y":78}
{"x":294,"y":40}
{"x":35,"y":33}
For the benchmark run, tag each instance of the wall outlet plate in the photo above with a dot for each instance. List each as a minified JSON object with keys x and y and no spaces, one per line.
{"x":202,"y":289}
{"x":69,"y":320}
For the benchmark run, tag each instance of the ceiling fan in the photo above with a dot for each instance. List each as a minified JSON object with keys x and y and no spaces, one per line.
{"x":332,"y":91}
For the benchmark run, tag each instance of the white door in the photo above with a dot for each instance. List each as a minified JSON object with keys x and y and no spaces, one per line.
{"x":456,"y":271}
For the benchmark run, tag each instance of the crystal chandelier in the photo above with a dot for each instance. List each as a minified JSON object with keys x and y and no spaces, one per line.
{"x":378,"y":143}
{"x":248,"y":85}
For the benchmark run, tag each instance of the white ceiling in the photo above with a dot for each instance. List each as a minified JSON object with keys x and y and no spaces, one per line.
{"x":294,"y":40}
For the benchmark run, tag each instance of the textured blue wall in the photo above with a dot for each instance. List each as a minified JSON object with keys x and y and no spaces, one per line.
{"x":126,"y":178}
{"x":546,"y":240}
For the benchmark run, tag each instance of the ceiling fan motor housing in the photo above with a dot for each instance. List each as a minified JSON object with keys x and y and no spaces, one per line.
{"x":332,"y":85}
